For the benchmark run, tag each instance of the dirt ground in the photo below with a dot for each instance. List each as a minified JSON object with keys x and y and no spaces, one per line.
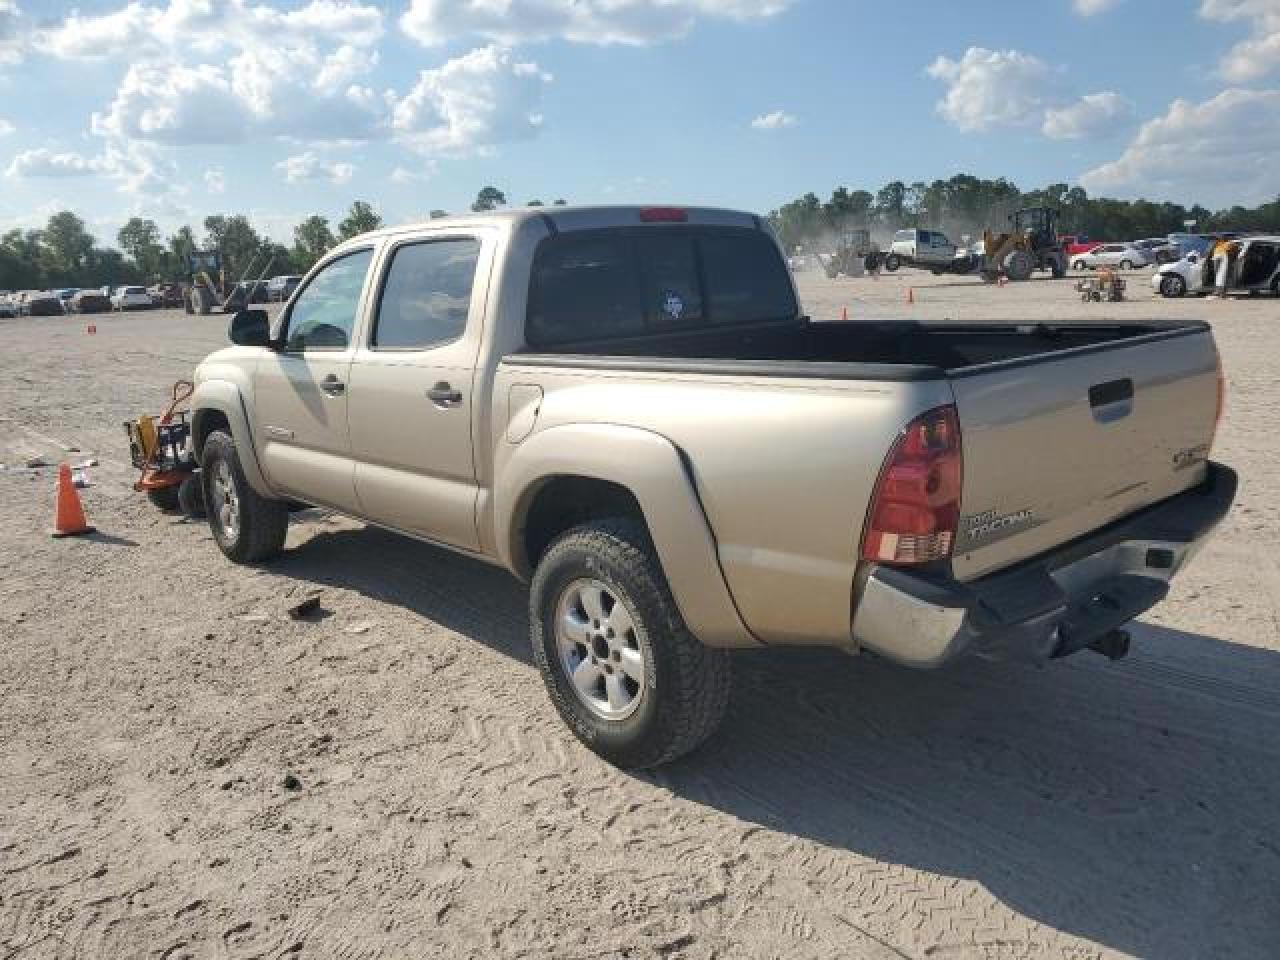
{"x":186,"y":772}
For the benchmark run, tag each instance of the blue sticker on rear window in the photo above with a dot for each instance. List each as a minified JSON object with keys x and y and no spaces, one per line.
{"x":672,"y":304}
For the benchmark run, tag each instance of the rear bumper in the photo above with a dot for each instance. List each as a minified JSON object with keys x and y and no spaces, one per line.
{"x":1052,"y":605}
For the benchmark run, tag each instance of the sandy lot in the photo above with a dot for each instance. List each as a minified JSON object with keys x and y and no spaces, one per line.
{"x":154,"y":698}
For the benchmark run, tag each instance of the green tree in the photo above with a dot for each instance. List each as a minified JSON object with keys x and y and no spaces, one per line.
{"x":535,"y":203}
{"x":66,"y":245}
{"x":140,"y":239}
{"x":361,"y":218}
{"x":312,"y":239}
{"x":21,"y":265}
{"x":560,"y":203}
{"x":438,"y":214}
{"x":489,"y":198}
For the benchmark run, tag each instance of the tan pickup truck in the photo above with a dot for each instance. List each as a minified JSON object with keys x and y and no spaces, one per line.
{"x":627,"y":408}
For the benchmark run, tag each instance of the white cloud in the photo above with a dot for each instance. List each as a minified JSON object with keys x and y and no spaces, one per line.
{"x":471,"y":103}
{"x":1218,"y":151}
{"x":308,"y":166}
{"x":215,"y":181}
{"x":43,"y":162}
{"x":11,"y":33}
{"x":776,"y":120}
{"x":1257,"y":56}
{"x":404,"y":175}
{"x":510,"y":22}
{"x":1089,"y":8}
{"x":6,"y":127}
{"x":992,"y":88}
{"x":1092,"y":115}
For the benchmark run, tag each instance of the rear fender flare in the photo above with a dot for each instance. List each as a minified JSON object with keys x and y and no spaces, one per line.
{"x":225,"y":398}
{"x":651,"y":467}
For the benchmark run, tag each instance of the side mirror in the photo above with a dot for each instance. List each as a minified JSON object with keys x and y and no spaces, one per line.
{"x":250,"y":328}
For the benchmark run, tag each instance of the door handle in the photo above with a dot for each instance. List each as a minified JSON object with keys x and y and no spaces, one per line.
{"x":443,"y":395}
{"x":333,"y":386}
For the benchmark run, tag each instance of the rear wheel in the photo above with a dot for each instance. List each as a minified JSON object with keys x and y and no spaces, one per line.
{"x":247,"y":527}
{"x":624,"y":672}
{"x":1172,"y":286}
{"x":892,"y":262}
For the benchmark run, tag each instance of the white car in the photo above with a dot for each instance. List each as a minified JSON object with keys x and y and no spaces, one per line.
{"x":130,"y":298}
{"x":1257,"y":270}
{"x":1125,"y":256}
{"x":920,"y":248}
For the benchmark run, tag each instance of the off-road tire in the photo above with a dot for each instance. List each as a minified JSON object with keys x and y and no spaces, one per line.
{"x":687,"y":684}
{"x":262,"y":522}
{"x":1018,"y":265}
{"x":166,"y":498}
{"x":1079,"y":266}
{"x":191,"y":496}
{"x":201,"y":301}
{"x":892,"y":262}
{"x":1173,"y":286}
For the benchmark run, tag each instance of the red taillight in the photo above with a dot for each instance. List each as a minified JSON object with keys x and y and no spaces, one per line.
{"x":663,"y":215}
{"x":916,"y":506}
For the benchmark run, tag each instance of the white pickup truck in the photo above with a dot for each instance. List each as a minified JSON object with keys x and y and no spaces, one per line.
{"x":627,"y":408}
{"x":926,"y":249}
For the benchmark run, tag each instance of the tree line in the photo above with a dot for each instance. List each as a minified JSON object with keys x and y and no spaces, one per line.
{"x":968,"y":204}
{"x":65,"y":254}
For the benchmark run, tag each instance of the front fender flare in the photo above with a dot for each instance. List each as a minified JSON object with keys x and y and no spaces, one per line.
{"x":225,"y":398}
{"x":653,"y":470}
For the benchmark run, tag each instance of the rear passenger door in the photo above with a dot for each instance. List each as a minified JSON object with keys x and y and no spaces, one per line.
{"x":411,"y":407}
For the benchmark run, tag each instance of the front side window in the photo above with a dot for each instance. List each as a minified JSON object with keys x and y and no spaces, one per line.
{"x":427,"y":294}
{"x":323,"y":316}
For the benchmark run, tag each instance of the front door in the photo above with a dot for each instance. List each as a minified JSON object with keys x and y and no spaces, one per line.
{"x":412,"y":391}
{"x":301,"y":391}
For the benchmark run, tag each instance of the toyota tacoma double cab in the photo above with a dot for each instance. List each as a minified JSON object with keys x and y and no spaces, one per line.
{"x":626,"y":408}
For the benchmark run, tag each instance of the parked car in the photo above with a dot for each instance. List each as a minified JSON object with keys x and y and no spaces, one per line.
{"x":90,"y":301}
{"x":280,"y":289}
{"x":130,"y":298}
{"x":65,"y":294}
{"x":255,"y":291}
{"x":165,"y":295}
{"x":42,"y":303}
{"x":920,"y":248}
{"x":1073,"y":244}
{"x":1257,"y":270}
{"x":1160,"y":249}
{"x":920,"y":497}
{"x":1124,"y":256}
{"x":8,"y":309}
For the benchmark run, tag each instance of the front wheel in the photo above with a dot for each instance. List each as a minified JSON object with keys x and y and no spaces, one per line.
{"x":1078,"y":265}
{"x":622,"y":669}
{"x":247,"y":526}
{"x":1126,"y":264}
{"x":1173,"y":286}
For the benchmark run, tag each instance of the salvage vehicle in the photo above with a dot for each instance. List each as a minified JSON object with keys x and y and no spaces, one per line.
{"x":1257,"y":270}
{"x":131,"y":298}
{"x":90,"y":301}
{"x":626,"y":408}
{"x":1125,"y":256}
{"x":927,"y":249}
{"x":1031,"y":244}
{"x":40,"y":303}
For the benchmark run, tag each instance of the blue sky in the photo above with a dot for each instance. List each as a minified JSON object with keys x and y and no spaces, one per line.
{"x":178,"y":108}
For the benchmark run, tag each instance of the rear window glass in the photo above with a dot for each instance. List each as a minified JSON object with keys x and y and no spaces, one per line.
{"x":606,"y":284}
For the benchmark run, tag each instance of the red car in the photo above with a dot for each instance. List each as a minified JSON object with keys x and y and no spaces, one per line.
{"x":1078,"y":243}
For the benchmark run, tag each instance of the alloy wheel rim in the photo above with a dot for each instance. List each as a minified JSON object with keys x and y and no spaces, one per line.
{"x":600,"y":650}
{"x":226,"y":502}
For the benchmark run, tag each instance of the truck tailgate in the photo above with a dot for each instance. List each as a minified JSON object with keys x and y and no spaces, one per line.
{"x":1057,"y":447}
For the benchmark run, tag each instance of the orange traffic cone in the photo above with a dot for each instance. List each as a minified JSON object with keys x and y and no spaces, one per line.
{"x":92,"y":328}
{"x":844,"y":313}
{"x":68,"y":515}
{"x":911,"y":294}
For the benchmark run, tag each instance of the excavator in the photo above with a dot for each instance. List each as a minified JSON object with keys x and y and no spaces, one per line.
{"x":1032,"y":244}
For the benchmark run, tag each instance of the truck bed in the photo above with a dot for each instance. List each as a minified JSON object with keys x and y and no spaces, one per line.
{"x":920,"y":351}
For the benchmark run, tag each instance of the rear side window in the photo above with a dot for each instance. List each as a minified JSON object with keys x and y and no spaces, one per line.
{"x":620,"y":282}
{"x":427,"y":294}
